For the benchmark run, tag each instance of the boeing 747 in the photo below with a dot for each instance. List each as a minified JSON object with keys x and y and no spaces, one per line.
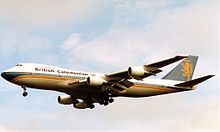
{"x":83,"y":89}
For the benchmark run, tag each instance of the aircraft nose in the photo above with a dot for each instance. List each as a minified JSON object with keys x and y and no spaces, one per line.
{"x":6,"y":76}
{"x":3,"y":74}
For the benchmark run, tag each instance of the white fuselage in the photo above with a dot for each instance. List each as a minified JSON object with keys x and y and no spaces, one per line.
{"x":58,"y":79}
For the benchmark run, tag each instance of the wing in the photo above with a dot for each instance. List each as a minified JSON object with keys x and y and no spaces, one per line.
{"x":112,"y":85}
{"x":141,"y":72}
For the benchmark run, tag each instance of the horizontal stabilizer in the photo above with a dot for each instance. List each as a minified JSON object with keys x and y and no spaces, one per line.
{"x":194,"y":82}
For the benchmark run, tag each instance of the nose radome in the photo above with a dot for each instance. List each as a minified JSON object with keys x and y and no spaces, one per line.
{"x":6,"y":76}
{"x":3,"y":74}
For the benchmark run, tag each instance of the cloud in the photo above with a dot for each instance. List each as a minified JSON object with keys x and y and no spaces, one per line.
{"x":71,"y":41}
{"x":138,"y":13}
{"x":162,"y":33}
{"x":41,"y":13}
{"x":190,"y":29}
{"x":22,"y":46}
{"x":199,"y":118}
{"x":106,"y":49}
{"x":185,"y":30}
{"x":3,"y":129}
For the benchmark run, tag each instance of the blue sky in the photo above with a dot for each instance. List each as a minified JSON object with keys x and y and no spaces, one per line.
{"x":106,"y":36}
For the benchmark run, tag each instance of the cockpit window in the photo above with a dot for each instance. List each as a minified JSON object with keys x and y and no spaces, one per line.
{"x":19,"y":65}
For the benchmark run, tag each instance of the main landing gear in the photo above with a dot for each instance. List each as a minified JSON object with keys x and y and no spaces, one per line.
{"x":25,"y":93}
{"x":91,"y":106}
{"x":107,"y":97}
{"x":106,"y":101}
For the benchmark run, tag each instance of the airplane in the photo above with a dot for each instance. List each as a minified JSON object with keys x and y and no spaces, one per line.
{"x":83,"y":89}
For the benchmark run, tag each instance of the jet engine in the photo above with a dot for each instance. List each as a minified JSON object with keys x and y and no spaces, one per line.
{"x":65,"y":99}
{"x":95,"y":81}
{"x":81,"y":105}
{"x":137,"y":71}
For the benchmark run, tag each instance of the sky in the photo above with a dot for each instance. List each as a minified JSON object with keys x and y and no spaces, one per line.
{"x":107,"y":36}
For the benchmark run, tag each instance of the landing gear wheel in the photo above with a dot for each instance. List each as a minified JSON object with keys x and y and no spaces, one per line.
{"x":105,"y":103}
{"x":111,"y":100}
{"x":25,"y":93}
{"x":92,"y":106}
{"x":101,"y":102}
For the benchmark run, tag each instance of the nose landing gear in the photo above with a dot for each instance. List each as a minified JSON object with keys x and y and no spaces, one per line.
{"x":25,"y":93}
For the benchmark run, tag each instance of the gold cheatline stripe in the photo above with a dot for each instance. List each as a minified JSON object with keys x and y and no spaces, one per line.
{"x":59,"y":78}
{"x":44,"y":77}
{"x":155,"y":88}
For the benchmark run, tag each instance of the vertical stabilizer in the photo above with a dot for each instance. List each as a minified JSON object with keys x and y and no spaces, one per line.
{"x":183,"y":71}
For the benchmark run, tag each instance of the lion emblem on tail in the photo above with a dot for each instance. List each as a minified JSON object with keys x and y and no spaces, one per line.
{"x":187,"y":69}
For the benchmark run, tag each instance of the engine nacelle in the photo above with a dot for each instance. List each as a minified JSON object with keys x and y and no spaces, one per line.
{"x":137,"y":71}
{"x":81,"y":105}
{"x":65,"y":99}
{"x":95,"y":81}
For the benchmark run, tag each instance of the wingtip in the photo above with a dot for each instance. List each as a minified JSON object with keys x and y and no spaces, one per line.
{"x":188,"y":56}
{"x":181,"y":56}
{"x":211,"y":75}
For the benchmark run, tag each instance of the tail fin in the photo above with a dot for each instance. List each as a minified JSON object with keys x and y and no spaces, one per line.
{"x":183,"y":71}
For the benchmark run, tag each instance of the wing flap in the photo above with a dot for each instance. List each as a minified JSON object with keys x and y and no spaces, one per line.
{"x":118,"y":76}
